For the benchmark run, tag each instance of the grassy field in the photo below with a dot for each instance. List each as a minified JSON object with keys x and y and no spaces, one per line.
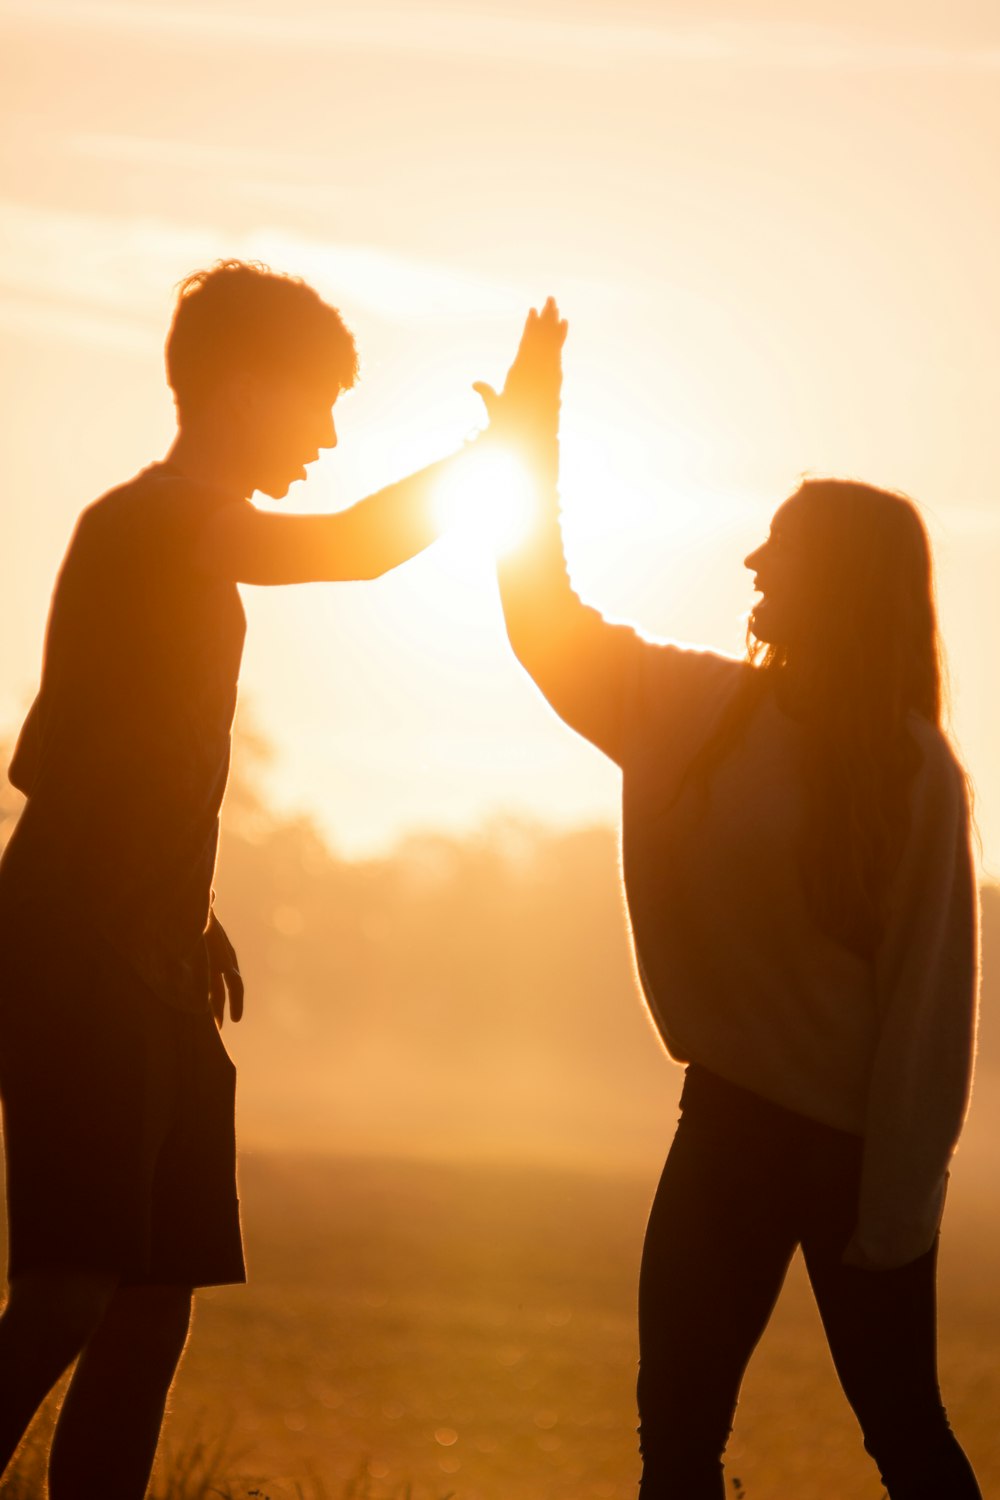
{"x":466,"y":1330}
{"x":470,"y":1331}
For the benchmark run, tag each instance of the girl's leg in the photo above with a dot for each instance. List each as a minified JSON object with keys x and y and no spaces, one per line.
{"x":717,"y":1246}
{"x":882,"y":1330}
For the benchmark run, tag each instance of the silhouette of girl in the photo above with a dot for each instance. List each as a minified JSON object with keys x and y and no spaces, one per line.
{"x":802,"y":899}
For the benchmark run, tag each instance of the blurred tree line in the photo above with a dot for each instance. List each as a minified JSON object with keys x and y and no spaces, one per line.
{"x":469,"y":997}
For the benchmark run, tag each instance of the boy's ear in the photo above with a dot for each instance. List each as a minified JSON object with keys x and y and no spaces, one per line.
{"x":242,"y":395}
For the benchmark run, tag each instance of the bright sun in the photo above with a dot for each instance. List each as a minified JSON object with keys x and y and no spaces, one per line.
{"x":488,"y":496}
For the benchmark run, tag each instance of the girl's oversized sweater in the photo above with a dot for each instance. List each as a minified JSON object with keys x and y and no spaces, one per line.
{"x":738,"y":975}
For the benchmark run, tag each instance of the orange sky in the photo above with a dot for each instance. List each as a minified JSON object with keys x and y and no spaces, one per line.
{"x":773,"y":229}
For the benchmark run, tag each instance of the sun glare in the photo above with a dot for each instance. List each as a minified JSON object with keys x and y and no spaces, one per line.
{"x":487,"y":497}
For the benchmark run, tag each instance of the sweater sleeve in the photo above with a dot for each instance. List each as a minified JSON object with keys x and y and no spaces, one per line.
{"x":926,"y":996}
{"x":585,"y":666}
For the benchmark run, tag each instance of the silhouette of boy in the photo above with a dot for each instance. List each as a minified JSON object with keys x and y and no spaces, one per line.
{"x":118,"y":1094}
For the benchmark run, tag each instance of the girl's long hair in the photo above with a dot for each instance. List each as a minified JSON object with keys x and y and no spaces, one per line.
{"x":867,"y":657}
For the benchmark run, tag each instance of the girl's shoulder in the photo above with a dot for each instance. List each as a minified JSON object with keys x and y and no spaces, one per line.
{"x":940,"y":781}
{"x":671,"y":669}
{"x":678,"y":693}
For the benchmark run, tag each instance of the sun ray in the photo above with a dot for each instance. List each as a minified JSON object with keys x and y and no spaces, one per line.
{"x":487,"y":497}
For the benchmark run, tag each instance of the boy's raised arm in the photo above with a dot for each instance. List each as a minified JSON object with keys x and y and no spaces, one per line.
{"x":246,"y":545}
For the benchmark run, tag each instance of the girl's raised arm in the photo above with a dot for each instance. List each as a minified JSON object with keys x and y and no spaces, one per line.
{"x":581,"y":662}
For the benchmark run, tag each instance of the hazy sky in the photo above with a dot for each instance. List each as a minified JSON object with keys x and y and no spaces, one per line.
{"x":772,"y":226}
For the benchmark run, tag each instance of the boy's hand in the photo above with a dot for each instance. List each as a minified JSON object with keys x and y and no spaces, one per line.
{"x":224,"y":972}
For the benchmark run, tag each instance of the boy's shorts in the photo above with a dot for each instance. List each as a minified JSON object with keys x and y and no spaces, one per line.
{"x":119,"y":1125}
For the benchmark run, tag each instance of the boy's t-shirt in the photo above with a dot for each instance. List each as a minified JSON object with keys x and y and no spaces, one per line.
{"x":124,"y":755}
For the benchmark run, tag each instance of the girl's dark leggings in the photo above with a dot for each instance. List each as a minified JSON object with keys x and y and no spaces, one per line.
{"x":745,"y":1183}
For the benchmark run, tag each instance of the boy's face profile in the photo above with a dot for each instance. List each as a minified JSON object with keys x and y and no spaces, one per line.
{"x":256,"y":361}
{"x":282,"y":421}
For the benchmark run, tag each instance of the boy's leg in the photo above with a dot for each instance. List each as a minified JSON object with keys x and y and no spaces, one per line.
{"x":48,"y":1318}
{"x":118,"y":1116}
{"x":106,"y":1436}
{"x":109,"y":1424}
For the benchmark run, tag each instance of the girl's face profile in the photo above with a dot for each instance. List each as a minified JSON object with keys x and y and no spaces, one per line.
{"x":779,"y":569}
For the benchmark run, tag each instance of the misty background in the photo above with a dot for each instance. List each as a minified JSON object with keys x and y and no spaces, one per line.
{"x":458,"y":998}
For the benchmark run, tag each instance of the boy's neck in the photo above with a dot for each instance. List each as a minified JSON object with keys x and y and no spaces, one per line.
{"x":199,"y":456}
